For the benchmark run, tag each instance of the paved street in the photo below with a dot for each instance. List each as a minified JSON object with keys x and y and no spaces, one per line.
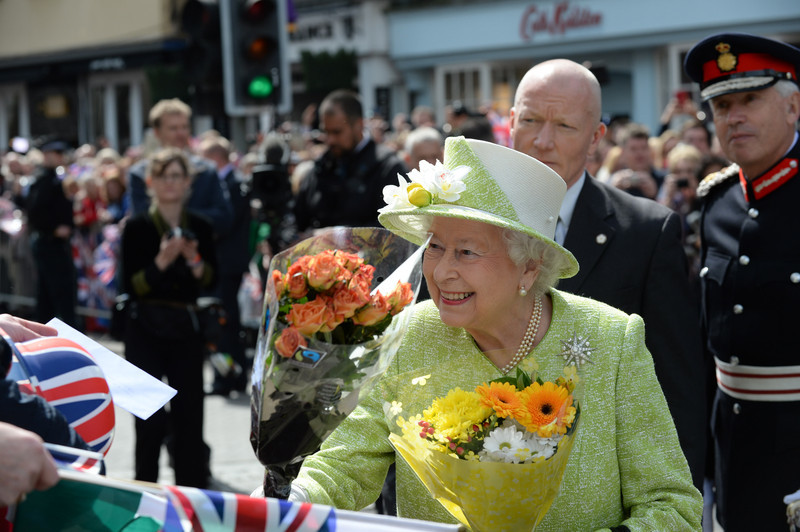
{"x":227,"y":429}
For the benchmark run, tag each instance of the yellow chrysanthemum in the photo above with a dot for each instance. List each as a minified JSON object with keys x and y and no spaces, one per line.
{"x":454,"y":415}
{"x":501,"y":397}
{"x":545,"y":409}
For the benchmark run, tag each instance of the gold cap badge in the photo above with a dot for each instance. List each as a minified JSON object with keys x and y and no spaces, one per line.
{"x":726,"y":60}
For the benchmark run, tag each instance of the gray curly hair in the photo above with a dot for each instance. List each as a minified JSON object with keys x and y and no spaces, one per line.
{"x":550,"y":262}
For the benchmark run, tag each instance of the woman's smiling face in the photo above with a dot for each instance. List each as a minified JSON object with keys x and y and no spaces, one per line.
{"x":470,"y":276}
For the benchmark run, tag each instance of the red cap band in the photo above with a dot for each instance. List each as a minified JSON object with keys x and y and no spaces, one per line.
{"x":747,"y":63}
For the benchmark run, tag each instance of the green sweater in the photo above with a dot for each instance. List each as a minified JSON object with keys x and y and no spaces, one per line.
{"x":626,"y":466}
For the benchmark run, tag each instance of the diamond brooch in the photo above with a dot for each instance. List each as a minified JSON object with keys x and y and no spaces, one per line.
{"x":576,"y":351}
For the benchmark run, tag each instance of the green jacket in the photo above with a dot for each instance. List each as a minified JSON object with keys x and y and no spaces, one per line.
{"x":626,"y":466}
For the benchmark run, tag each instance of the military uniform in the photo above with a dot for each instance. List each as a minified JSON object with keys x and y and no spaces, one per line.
{"x":750,"y":286}
{"x":751,"y":292}
{"x":48,"y":208}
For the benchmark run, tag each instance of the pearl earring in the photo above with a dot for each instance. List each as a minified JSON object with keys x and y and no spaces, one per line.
{"x":522,"y":291}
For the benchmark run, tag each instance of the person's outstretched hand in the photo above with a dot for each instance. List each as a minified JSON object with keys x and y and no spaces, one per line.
{"x":25,"y":464}
{"x":21,"y":330}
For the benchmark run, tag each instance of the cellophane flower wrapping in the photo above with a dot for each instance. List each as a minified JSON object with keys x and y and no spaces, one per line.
{"x":311,"y":366}
{"x":492,"y":466}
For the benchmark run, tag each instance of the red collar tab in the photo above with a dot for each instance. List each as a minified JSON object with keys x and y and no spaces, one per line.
{"x":770,"y":181}
{"x":728,"y":63}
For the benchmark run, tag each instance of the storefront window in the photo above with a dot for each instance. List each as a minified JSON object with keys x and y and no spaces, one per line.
{"x":464,"y":86}
{"x":116,"y":108}
{"x":123,"y":108}
{"x":97,"y":99}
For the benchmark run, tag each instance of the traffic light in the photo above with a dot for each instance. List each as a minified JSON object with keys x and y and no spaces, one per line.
{"x":255,"y":69}
{"x":202,"y":59}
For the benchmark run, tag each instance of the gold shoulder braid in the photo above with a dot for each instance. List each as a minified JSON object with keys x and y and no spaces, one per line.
{"x":711,"y":180}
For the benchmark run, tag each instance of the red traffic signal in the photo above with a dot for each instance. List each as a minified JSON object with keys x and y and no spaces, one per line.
{"x":257,"y":10}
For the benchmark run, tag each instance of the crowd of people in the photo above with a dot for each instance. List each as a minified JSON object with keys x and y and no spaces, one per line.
{"x":104,"y":186}
{"x":631,"y":218}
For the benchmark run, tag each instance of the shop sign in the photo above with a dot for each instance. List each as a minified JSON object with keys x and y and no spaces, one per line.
{"x":557,"y":19}
{"x":107,"y":63}
{"x":310,"y":32}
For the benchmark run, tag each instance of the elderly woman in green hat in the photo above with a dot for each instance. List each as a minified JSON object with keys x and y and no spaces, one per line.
{"x":491,"y":267}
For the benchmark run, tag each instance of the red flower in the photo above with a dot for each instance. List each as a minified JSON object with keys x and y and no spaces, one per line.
{"x":346,"y":301}
{"x":309,"y":317}
{"x":373,"y":312}
{"x":288,"y":342}
{"x":349,"y":261}
{"x":295,"y":280}
{"x":322,"y":271}
{"x":278,"y":281}
{"x":400,"y":297}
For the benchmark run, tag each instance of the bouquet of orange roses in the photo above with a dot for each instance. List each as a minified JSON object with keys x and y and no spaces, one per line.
{"x":493,"y":456}
{"x":335,"y":308}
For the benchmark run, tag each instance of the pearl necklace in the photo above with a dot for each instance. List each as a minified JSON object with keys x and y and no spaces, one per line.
{"x":528,"y":339}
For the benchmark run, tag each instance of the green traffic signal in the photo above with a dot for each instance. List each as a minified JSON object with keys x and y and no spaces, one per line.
{"x":260,"y":87}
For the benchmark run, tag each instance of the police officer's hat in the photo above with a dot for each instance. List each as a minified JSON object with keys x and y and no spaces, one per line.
{"x":52,"y":143}
{"x":738,"y":62}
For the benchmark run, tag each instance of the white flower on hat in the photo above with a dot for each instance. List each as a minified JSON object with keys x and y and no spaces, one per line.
{"x":396,"y":196}
{"x":447,"y":184}
{"x":429,"y":183}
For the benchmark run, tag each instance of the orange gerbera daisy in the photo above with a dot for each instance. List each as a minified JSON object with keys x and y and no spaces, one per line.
{"x":501,"y":397}
{"x":546,"y":409}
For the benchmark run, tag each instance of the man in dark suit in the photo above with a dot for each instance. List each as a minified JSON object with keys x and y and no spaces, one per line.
{"x":629,"y":249}
{"x":750,"y":276}
{"x":170,"y":122}
{"x":232,"y":263}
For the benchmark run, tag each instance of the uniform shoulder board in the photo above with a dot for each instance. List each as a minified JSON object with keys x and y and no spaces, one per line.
{"x":714,"y":179}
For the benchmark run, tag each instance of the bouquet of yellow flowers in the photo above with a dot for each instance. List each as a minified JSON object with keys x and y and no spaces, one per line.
{"x":334,"y":314}
{"x":494,"y":456}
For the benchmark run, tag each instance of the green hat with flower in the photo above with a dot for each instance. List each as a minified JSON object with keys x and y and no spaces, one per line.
{"x":483,"y":182}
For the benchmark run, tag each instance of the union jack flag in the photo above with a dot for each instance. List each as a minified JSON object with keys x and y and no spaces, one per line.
{"x":208,"y":510}
{"x":75,"y":459}
{"x":66,"y":376}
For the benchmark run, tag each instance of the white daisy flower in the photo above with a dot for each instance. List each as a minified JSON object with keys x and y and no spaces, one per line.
{"x":545,"y":447}
{"x":503,"y":445}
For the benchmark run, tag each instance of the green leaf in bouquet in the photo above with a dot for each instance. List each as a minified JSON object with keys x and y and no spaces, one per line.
{"x":524,"y":380}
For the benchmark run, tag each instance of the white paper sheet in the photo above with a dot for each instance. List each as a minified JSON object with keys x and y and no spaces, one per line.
{"x":132,"y":389}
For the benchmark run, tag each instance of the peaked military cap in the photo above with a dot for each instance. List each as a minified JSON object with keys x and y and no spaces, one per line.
{"x":739,"y":62}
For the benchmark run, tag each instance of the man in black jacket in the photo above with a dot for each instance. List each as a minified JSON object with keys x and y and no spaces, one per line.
{"x":628,"y":248}
{"x":346,"y":184}
{"x":232,"y":262}
{"x":50,"y":221}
